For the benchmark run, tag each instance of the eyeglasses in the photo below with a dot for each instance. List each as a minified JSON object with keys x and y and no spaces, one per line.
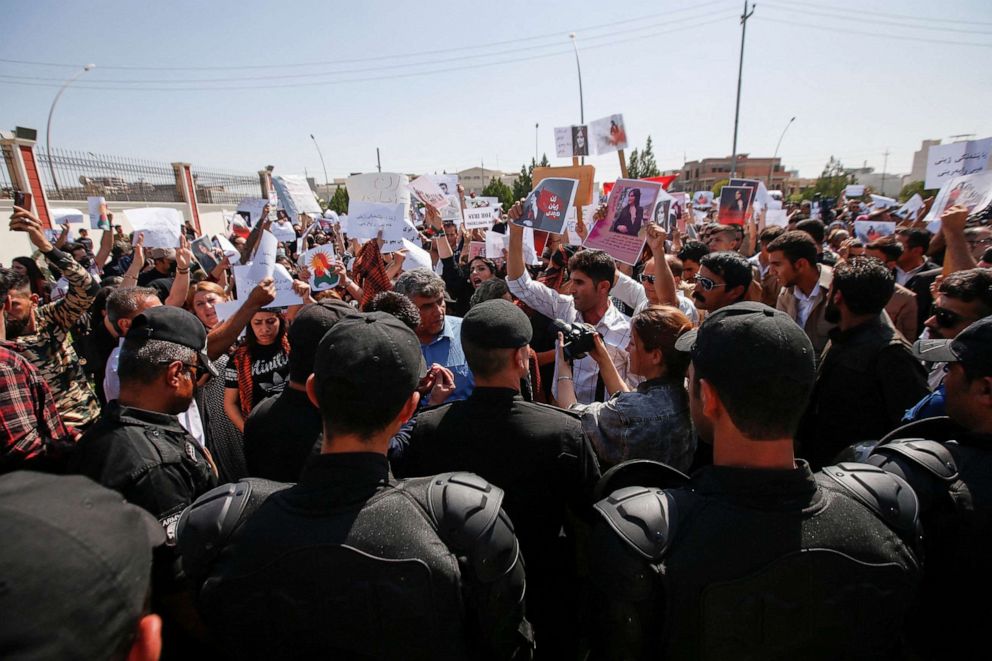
{"x":946,"y":318}
{"x":708,"y":284}
{"x":980,"y":242}
{"x":647,"y":278}
{"x":197,"y":370}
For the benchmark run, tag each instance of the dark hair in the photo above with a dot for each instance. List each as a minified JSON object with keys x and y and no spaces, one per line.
{"x":36,"y":279}
{"x":485,"y":361}
{"x":7,"y":279}
{"x":488,"y":290}
{"x":72,"y":245}
{"x":972,"y":284}
{"x":490,"y":264}
{"x":147,"y":360}
{"x":987,"y":255}
{"x":771,"y":233}
{"x":888,"y":246}
{"x":866,"y":284}
{"x":658,"y":327}
{"x":124,"y":303}
{"x":694,"y":250}
{"x":916,"y":237}
{"x":250,"y":338}
{"x":637,"y":194}
{"x":814,"y":228}
{"x":596,"y":264}
{"x":795,"y":245}
{"x":732,"y":267}
{"x":396,"y":304}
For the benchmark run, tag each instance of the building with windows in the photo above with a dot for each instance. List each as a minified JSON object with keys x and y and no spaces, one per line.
{"x":473,"y":180}
{"x":703,"y":174}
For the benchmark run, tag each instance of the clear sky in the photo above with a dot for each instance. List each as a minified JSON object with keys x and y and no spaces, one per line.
{"x":448,"y":85}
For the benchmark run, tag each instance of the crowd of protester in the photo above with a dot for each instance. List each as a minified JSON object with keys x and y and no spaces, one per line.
{"x":756,"y":442}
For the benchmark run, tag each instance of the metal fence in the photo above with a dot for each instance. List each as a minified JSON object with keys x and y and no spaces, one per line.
{"x":6,"y":184}
{"x":71,"y":175}
{"x":214,"y":187}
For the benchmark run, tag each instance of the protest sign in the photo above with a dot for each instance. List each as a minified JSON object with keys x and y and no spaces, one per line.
{"x":495,"y":244}
{"x":882,"y":202}
{"x":479,"y":202}
{"x":203,"y":252}
{"x":320,"y":262}
{"x":754,"y":186}
{"x":232,"y":253}
{"x":481,"y":217}
{"x":296,"y":196}
{"x":416,"y":257}
{"x":702,"y":199}
{"x":663,"y":215}
{"x":94,"y":204}
{"x":283,"y":231}
{"x":945,"y":162}
{"x":160,"y":226}
{"x":629,"y":210}
{"x":285,"y":296}
{"x":734,"y":203}
{"x":226,"y":309}
{"x":584,"y":174}
{"x":571,"y":236}
{"x":973,"y":191}
{"x":379,"y":188}
{"x":366,"y":219}
{"x":872,"y":230}
{"x":264,"y":260}
{"x":251,"y":209}
{"x":429,"y":192}
{"x":854,"y":190}
{"x":547,"y":204}
{"x":61,"y":216}
{"x":571,"y":141}
{"x":774,"y":204}
{"x":778,"y":217}
{"x":608,"y":134}
{"x":911,"y":209}
{"x":476,"y":249}
{"x":448,"y":183}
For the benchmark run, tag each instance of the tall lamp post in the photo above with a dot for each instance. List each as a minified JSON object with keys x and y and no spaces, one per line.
{"x":51,"y":111}
{"x":740,"y":71}
{"x":326,"y":183}
{"x":771,"y":168}
{"x":578,"y":67}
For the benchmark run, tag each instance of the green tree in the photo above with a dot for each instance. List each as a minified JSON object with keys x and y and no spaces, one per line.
{"x":642,"y":163}
{"x":339,"y":201}
{"x":524,"y":182}
{"x":831,"y":182}
{"x":496,"y":188}
{"x":916,"y":187}
{"x":718,"y":186}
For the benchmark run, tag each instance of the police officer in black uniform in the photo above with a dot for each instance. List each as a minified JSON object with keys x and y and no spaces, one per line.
{"x":537,"y":453}
{"x":948,"y":462}
{"x":350,"y":563}
{"x":756,"y":557}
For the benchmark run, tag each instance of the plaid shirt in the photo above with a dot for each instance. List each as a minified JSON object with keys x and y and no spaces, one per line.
{"x":30,"y":426}
{"x":614,"y":327}
{"x":369,"y":271}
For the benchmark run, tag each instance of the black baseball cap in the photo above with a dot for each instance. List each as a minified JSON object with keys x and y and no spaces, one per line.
{"x":496,"y":324}
{"x":365,"y":355}
{"x":306,"y":332}
{"x":75,"y":566}
{"x":740,"y":342}
{"x":171,"y":324}
{"x":972,"y":347}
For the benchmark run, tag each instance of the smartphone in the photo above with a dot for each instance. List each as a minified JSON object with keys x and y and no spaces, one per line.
{"x":22,"y":200}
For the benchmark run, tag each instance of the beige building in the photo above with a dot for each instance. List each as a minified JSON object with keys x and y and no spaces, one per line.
{"x":703,"y":174}
{"x":473,"y":180}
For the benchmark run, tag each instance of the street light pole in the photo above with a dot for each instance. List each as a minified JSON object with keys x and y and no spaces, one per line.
{"x":578,"y":67}
{"x":326,"y":182}
{"x":536,"y":126}
{"x":771,"y":168}
{"x":740,"y":71}
{"x":48,"y":131}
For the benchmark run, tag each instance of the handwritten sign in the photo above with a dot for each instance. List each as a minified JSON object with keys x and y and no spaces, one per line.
{"x":379,"y":188}
{"x":571,"y":141}
{"x":160,"y":226}
{"x":481,"y":217}
{"x":429,"y":192}
{"x":285,"y":296}
{"x":945,"y":162}
{"x":94,"y":204}
{"x":366,"y":219}
{"x":320,"y":262}
{"x":264,"y":261}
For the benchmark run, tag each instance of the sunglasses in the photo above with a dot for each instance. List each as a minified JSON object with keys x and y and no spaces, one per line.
{"x":647,"y":278}
{"x":707,"y":284}
{"x":946,"y":318}
{"x":197,"y":370}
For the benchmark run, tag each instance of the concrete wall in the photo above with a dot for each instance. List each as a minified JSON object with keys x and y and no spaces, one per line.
{"x":14,"y":244}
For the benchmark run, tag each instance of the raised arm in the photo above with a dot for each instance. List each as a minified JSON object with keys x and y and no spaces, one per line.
{"x":220,"y":339}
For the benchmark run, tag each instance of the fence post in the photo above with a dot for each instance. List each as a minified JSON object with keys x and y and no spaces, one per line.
{"x":265,"y":181}
{"x":187,"y":191}
{"x":18,"y":153}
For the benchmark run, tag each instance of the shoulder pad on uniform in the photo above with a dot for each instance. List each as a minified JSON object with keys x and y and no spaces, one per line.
{"x":887,"y":495}
{"x":206,"y":526}
{"x":939,"y":428}
{"x":931,"y":456}
{"x":639,"y":473}
{"x":644,"y":517}
{"x":466,"y":510}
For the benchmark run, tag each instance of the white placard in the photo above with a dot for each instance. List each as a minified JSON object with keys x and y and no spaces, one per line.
{"x":776,"y":217}
{"x":283,"y":231}
{"x":296,"y":197}
{"x":882,"y":202}
{"x":264,"y":260}
{"x":61,"y":216}
{"x":945,"y":162}
{"x":416,"y":257}
{"x":365,"y":219}
{"x":93,"y":206}
{"x":379,"y":188}
{"x":481,"y":217}
{"x":160,"y":226}
{"x":479,"y":202}
{"x":253,"y":206}
{"x":429,"y":192}
{"x":496,"y":243}
{"x":854,"y":190}
{"x":285,"y":296}
{"x":911,"y":209}
{"x":608,"y":134}
{"x":773,"y":204}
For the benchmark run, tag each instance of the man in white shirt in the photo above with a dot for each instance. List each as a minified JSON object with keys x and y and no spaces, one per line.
{"x":592,"y":274}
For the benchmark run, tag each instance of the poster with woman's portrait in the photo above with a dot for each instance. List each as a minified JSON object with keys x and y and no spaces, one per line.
{"x":872,"y":230}
{"x":734,"y":203}
{"x":629,"y":210}
{"x":547,"y":205}
{"x":204,"y":254}
{"x":608,"y":134}
{"x":972,"y":191}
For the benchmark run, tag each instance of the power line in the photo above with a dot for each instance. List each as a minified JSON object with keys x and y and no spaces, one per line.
{"x":381,"y":57}
{"x":845,"y":16}
{"x":857,"y":11}
{"x":405,"y":65}
{"x":879,"y":35}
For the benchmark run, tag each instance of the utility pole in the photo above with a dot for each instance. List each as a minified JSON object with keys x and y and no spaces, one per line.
{"x":378,"y":163}
{"x":740,"y":70}
{"x":536,"y":126}
{"x":885,"y":166}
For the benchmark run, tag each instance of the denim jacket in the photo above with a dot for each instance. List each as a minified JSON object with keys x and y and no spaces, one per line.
{"x":651,"y":422}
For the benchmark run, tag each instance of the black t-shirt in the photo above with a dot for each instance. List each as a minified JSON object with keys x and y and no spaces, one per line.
{"x":281,"y":433}
{"x":269,"y":372}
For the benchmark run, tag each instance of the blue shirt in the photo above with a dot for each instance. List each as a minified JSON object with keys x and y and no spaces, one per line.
{"x":929,"y":407}
{"x":446,"y":350}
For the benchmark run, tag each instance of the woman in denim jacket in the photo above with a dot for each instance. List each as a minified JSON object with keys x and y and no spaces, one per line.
{"x":651,"y":422}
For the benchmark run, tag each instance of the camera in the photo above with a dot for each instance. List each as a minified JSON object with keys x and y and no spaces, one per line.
{"x":579,"y":339}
